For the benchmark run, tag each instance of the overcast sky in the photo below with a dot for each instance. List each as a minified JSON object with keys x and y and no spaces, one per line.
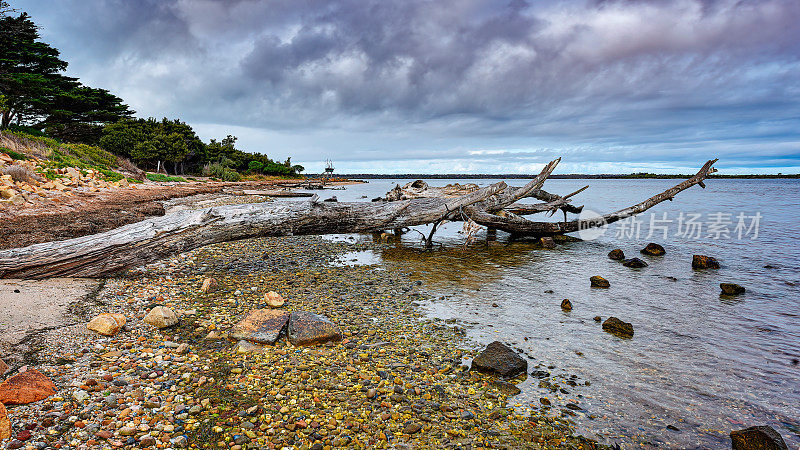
{"x":456,"y":86}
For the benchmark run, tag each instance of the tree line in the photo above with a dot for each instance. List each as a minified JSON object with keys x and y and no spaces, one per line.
{"x":37,"y":98}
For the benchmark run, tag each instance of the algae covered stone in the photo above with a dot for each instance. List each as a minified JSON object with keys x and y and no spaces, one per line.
{"x":617,"y":327}
{"x":653,"y":249}
{"x":704,"y":262}
{"x":566,"y":305}
{"x":498,"y":359}
{"x":634,"y":263}
{"x":307,"y":328}
{"x":599,"y":282}
{"x":262,"y":326}
{"x":616,"y":254}
{"x":731,"y":289}
{"x":757,"y":438}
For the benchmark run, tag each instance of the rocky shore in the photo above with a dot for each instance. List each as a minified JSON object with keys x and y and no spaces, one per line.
{"x":393,"y":380}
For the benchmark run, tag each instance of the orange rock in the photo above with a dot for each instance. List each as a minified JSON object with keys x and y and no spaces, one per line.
{"x":107,"y":324}
{"x":5,"y":424}
{"x":274,"y":300}
{"x":26,"y":387}
{"x":209,"y":285}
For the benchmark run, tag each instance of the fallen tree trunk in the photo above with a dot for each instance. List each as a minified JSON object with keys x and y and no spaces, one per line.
{"x":154,"y":239}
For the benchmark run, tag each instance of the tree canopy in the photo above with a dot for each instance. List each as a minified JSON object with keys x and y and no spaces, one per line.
{"x":152,"y":143}
{"x":33,"y":92}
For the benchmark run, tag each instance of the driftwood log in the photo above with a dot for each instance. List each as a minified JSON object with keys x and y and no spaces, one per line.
{"x":157,"y":238}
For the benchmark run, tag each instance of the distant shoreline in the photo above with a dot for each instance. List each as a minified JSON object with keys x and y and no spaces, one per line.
{"x":562,"y":177}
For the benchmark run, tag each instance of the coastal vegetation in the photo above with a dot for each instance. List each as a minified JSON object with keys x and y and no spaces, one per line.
{"x":39,"y":103}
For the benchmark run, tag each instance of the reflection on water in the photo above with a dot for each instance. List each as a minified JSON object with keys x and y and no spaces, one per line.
{"x":360,"y":258}
{"x":699,"y":364}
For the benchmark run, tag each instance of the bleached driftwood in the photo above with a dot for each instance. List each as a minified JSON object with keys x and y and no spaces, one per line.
{"x":157,"y":238}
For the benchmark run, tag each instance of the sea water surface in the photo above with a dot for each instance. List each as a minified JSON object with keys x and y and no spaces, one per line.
{"x":699,"y":365}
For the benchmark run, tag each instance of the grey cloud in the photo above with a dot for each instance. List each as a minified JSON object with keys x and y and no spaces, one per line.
{"x":608,"y":79}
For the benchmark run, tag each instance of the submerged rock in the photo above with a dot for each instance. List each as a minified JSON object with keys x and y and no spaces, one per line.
{"x":634,"y":263}
{"x":566,"y":305}
{"x":598,"y":318}
{"x":26,"y":387}
{"x":498,"y":359}
{"x":161,"y":317}
{"x":506,"y":388}
{"x":107,"y":324}
{"x":653,"y":249}
{"x":616,"y":254}
{"x":262,"y":326}
{"x":243,"y":347}
{"x":547,"y":242}
{"x":731,"y":288}
{"x":617,"y":327}
{"x":599,"y":282}
{"x":757,"y":438}
{"x":274,"y":300}
{"x":307,"y":328}
{"x":704,"y":262}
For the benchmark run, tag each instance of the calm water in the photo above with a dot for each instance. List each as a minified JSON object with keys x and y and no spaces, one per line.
{"x":699,"y":363}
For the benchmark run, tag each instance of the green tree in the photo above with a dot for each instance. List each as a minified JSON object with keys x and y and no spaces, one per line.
{"x":255,"y":166}
{"x":28,"y":70}
{"x":152,"y":143}
{"x":33,"y":92}
{"x":79,"y":113}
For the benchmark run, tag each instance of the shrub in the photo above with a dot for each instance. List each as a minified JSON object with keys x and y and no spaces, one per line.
{"x":255,"y":166}
{"x":221,"y":172}
{"x":21,"y":174}
{"x":160,"y":177}
{"x":13,"y":154}
{"x":110,"y":175}
{"x":65,"y":155}
{"x":272,"y":168}
{"x":231,"y":175}
{"x":27,"y":130}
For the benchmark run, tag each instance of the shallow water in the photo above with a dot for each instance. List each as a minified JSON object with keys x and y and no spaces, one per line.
{"x":699,"y":362}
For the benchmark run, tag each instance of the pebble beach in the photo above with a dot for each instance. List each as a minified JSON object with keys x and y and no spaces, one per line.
{"x":395,"y":379}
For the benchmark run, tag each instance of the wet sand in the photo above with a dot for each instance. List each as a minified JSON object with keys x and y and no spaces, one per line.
{"x":29,"y":306}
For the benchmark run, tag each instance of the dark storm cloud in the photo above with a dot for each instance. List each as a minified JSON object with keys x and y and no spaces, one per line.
{"x":609,"y":81}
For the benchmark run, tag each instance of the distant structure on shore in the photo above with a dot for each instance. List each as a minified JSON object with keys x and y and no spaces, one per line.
{"x":328,"y":174}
